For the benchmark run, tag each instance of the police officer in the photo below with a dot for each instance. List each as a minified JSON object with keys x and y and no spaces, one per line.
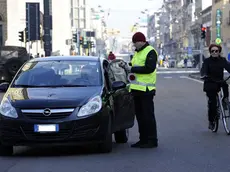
{"x":143,"y":87}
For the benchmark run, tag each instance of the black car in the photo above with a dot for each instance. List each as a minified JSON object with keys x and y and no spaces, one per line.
{"x":66,"y":100}
{"x":11,"y":60}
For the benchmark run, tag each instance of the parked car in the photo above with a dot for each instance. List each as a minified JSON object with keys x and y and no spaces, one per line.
{"x":11,"y":59}
{"x":66,"y":100}
{"x":181,"y":64}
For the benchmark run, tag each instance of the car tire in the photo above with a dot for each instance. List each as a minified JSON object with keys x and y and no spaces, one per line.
{"x":121,"y":136}
{"x":107,"y":145}
{"x":6,"y":150}
{"x":13,"y":65}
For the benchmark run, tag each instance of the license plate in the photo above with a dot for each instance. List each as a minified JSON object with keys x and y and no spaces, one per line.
{"x":44,"y":128}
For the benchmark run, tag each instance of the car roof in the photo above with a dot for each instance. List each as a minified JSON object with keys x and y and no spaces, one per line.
{"x":69,"y":58}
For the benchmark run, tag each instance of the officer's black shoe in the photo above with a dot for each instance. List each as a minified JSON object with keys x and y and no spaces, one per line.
{"x":149,"y":145}
{"x":136,"y":145}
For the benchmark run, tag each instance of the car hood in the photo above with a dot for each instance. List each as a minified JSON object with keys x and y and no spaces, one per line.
{"x":51,"y":97}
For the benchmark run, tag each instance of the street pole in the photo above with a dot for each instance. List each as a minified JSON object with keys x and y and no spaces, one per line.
{"x":79,"y":30}
{"x":201,"y":53}
{"x":78,"y":43}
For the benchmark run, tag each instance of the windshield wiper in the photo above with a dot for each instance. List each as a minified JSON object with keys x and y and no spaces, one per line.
{"x":24,"y":85}
{"x":68,"y":86}
{"x":47,"y":86}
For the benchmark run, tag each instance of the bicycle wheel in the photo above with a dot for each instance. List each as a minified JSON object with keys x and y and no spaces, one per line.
{"x":225,"y":111}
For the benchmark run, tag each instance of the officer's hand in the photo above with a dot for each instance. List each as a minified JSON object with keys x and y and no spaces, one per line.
{"x":128,"y":68}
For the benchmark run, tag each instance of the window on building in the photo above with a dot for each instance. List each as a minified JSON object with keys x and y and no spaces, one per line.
{"x":82,"y":3}
{"x":1,"y":35}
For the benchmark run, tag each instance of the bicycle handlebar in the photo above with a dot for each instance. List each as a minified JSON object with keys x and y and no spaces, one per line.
{"x":211,"y":79}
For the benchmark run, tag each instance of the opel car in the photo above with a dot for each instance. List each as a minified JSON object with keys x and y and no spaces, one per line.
{"x":66,"y":100}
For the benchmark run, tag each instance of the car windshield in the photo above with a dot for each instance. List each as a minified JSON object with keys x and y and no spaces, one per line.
{"x":59,"y":74}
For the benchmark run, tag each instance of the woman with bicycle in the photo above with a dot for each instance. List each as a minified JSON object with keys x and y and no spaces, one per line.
{"x":212,"y":71}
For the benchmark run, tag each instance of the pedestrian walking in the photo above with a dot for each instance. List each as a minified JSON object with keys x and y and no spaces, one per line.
{"x":142,"y":77}
{"x":111,"y":56}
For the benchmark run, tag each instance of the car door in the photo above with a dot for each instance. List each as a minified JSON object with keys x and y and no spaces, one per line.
{"x":123,"y":100}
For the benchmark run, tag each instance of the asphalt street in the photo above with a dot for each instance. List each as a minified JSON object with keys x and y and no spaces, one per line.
{"x":185,"y":143}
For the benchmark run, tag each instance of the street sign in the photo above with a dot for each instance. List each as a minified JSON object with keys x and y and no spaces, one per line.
{"x":228,"y":56}
{"x":218,"y":41}
{"x":218,"y":24}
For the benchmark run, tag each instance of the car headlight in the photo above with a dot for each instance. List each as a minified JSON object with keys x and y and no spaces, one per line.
{"x":6,"y":109}
{"x":93,"y":106}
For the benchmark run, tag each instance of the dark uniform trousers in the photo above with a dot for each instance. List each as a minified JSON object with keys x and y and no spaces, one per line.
{"x":212,"y":99}
{"x":144,"y":110}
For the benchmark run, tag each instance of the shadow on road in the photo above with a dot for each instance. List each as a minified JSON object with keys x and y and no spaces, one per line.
{"x":50,"y":151}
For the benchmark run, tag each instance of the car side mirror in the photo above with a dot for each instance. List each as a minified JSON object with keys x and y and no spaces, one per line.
{"x":116,"y":85}
{"x":4,"y":86}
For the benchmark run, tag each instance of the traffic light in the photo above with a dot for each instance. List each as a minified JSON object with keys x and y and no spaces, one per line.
{"x":92,"y":45}
{"x":203,"y":32}
{"x":21,"y":36}
{"x":75,"y":38}
{"x":81,"y":40}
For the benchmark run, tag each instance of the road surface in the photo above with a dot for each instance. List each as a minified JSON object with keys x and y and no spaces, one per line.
{"x":185,"y":143}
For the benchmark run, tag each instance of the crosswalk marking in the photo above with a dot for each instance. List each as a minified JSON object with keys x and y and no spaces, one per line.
{"x":183,"y":77}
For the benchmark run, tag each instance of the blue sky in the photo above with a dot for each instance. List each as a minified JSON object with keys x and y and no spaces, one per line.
{"x":124,"y":13}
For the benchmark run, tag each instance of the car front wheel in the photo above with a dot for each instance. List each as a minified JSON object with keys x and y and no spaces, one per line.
{"x":107,"y":145}
{"x":6,"y":150}
{"x":122,"y":136}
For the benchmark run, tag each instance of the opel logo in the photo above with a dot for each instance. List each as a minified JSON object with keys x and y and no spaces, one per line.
{"x":47,"y":112}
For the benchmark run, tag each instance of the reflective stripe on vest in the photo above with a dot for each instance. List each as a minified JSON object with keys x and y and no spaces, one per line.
{"x":143,"y":84}
{"x":139,"y":83}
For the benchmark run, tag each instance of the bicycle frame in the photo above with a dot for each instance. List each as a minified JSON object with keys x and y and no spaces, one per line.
{"x":220,"y":96}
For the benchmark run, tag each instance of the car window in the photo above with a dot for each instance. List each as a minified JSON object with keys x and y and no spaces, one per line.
{"x":118,"y":72}
{"x":59,"y":73}
{"x":108,"y":76}
{"x":9,"y":53}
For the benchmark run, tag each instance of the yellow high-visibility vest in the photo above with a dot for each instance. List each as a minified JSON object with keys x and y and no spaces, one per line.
{"x":143,"y":81}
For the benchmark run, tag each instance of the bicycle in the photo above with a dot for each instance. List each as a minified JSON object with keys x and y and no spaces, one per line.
{"x":222,"y":112}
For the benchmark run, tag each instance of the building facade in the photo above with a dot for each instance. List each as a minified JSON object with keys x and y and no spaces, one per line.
{"x":221,"y":24}
{"x":151,"y":27}
{"x":3,"y":22}
{"x":61,"y":24}
{"x":196,"y":27}
{"x":207,"y":23}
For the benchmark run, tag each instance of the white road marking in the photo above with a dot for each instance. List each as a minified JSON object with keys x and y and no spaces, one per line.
{"x":171,"y":72}
{"x":192,"y":79}
{"x":168,"y":77}
{"x":183,"y":77}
